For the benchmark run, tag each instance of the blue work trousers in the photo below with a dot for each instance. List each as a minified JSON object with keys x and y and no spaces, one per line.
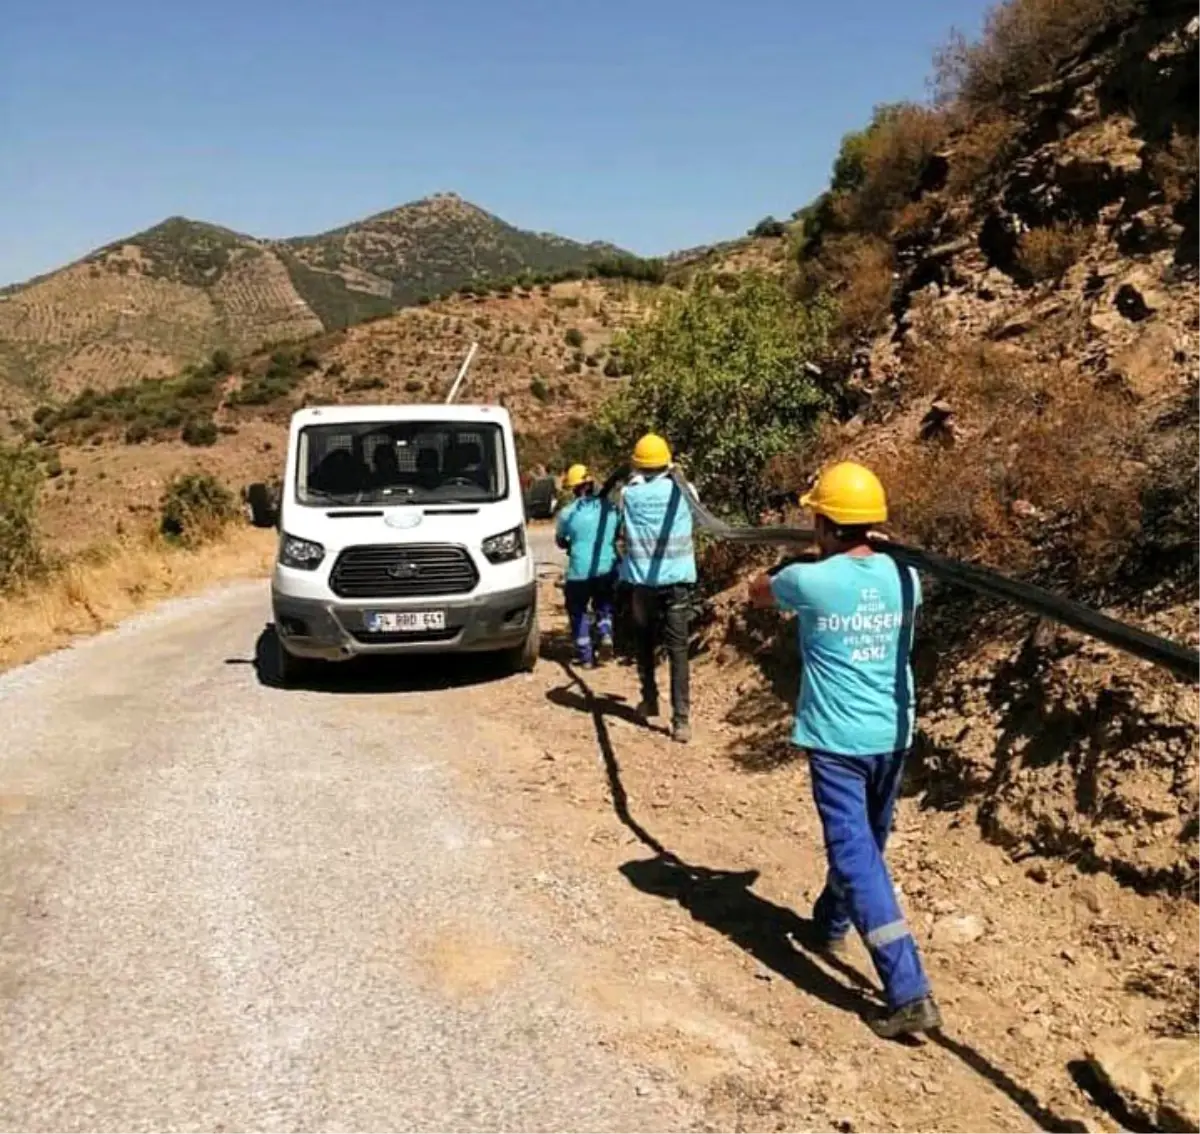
{"x":855,"y":798}
{"x":588,"y":600}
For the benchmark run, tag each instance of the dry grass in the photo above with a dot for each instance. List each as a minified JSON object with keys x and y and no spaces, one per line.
{"x":859,"y":271}
{"x":1049,"y":253}
{"x":96,"y":591}
{"x":1023,"y":43}
{"x":1173,"y":168}
{"x":979,"y":148}
{"x":1046,"y":478}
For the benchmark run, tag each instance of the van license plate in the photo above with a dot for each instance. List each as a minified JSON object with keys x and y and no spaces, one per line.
{"x":405,"y":621}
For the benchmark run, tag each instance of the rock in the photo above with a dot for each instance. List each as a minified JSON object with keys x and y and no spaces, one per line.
{"x":939,"y":424}
{"x":951,"y":932}
{"x":1147,"y":365}
{"x":1025,"y":510}
{"x":1157,"y":1079}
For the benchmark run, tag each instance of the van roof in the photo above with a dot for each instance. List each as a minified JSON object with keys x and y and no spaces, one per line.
{"x":434,"y":411}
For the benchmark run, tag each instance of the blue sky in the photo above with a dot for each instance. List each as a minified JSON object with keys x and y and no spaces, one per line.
{"x":657,"y":124}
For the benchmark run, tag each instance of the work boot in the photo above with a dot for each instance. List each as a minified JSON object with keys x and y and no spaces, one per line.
{"x":681,"y":732}
{"x":605,"y":649}
{"x":915,"y":1016}
{"x":812,"y":938}
{"x":647,"y":710}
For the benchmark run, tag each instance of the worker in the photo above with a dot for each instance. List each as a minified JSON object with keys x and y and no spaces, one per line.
{"x":659,"y":564}
{"x":587,"y":530}
{"x":856,"y":612}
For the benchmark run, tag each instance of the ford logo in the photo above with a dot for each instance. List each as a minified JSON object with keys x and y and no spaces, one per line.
{"x":403,"y":571}
{"x":406,"y":519}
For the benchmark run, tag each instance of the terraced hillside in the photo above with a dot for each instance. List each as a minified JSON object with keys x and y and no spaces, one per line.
{"x":546,"y":352}
{"x":147,"y":305}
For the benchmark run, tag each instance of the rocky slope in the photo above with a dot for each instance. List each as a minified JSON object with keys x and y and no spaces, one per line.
{"x":145,"y":306}
{"x":1039,"y":415}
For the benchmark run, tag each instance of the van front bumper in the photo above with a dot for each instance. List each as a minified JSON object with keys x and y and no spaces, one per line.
{"x":336,"y":631}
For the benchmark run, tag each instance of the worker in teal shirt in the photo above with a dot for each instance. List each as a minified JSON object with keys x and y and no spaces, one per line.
{"x":587,"y":530}
{"x":659,"y":566}
{"x":856,"y":611}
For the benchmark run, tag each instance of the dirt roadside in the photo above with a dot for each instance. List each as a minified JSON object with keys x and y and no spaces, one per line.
{"x":684,"y":872}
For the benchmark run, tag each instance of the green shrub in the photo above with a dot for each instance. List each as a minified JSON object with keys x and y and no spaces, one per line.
{"x":573,"y":337}
{"x":20,"y":479}
{"x":220,"y":363}
{"x":768,"y":226}
{"x":195,"y":507}
{"x":539,"y":389}
{"x":723,"y":377}
{"x":612,"y":369}
{"x":199,"y":432}
{"x":1049,"y":253}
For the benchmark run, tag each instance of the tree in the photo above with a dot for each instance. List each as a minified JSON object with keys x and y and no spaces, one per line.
{"x":722,"y":375}
{"x":769,"y":226}
{"x":20,"y":479}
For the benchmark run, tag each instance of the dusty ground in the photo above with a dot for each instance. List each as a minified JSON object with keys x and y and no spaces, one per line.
{"x":434,"y":897}
{"x":686,"y":871}
{"x":228,"y":907}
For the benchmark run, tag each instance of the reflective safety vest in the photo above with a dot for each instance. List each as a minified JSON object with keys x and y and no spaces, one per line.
{"x":587,"y":528}
{"x":659,"y":551}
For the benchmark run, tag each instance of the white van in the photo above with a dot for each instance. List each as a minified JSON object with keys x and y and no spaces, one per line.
{"x":402,"y":531}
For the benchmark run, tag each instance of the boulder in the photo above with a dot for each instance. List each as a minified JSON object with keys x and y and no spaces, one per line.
{"x":956,"y":930}
{"x":1156,"y":1079}
{"x":1147,"y":365}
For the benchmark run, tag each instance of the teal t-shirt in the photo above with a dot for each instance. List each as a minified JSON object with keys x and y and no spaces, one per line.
{"x":856,"y":616}
{"x":588,"y":527}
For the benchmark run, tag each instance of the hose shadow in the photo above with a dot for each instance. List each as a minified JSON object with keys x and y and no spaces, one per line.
{"x":774,"y":935}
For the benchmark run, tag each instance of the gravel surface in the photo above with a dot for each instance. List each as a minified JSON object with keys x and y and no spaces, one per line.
{"x":233,"y":907}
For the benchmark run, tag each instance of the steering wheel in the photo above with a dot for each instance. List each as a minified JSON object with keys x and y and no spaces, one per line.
{"x":463,"y":480}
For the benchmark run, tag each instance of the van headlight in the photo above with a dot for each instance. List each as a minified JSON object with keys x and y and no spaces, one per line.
{"x":303,"y":554}
{"x":505,"y":546}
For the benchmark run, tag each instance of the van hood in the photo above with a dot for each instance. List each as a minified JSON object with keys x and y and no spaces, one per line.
{"x":336,"y":528}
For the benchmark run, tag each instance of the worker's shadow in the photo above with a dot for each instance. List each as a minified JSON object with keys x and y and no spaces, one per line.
{"x":775,"y":936}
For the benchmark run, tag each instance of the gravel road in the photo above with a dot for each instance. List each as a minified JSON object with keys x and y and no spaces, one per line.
{"x":232,"y":907}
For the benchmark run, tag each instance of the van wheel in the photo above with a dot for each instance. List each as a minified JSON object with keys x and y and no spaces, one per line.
{"x":289,"y":669}
{"x":524,"y":658}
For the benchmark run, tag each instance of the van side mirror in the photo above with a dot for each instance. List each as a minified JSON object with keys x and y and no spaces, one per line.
{"x":264,"y":512}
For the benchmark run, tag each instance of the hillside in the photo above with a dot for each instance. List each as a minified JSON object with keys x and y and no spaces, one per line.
{"x":145,"y":306}
{"x":545,"y":352}
{"x":1017,"y":341}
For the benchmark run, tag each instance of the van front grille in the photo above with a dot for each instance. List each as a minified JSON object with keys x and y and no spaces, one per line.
{"x":410,"y":570}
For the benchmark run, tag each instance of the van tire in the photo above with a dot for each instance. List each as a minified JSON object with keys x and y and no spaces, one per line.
{"x":524,"y":658}
{"x":289,"y":669}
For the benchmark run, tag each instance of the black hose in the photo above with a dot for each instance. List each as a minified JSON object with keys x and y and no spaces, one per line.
{"x":1179,"y":659}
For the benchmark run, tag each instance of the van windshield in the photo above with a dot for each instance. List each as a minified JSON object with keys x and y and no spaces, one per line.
{"x":401,"y":462}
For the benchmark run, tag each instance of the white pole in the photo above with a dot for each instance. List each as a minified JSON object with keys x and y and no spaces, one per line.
{"x":462,"y":373}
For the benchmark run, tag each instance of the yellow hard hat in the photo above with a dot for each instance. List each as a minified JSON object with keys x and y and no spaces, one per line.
{"x":651,"y":452}
{"x":848,"y":493}
{"x":576,"y":475}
